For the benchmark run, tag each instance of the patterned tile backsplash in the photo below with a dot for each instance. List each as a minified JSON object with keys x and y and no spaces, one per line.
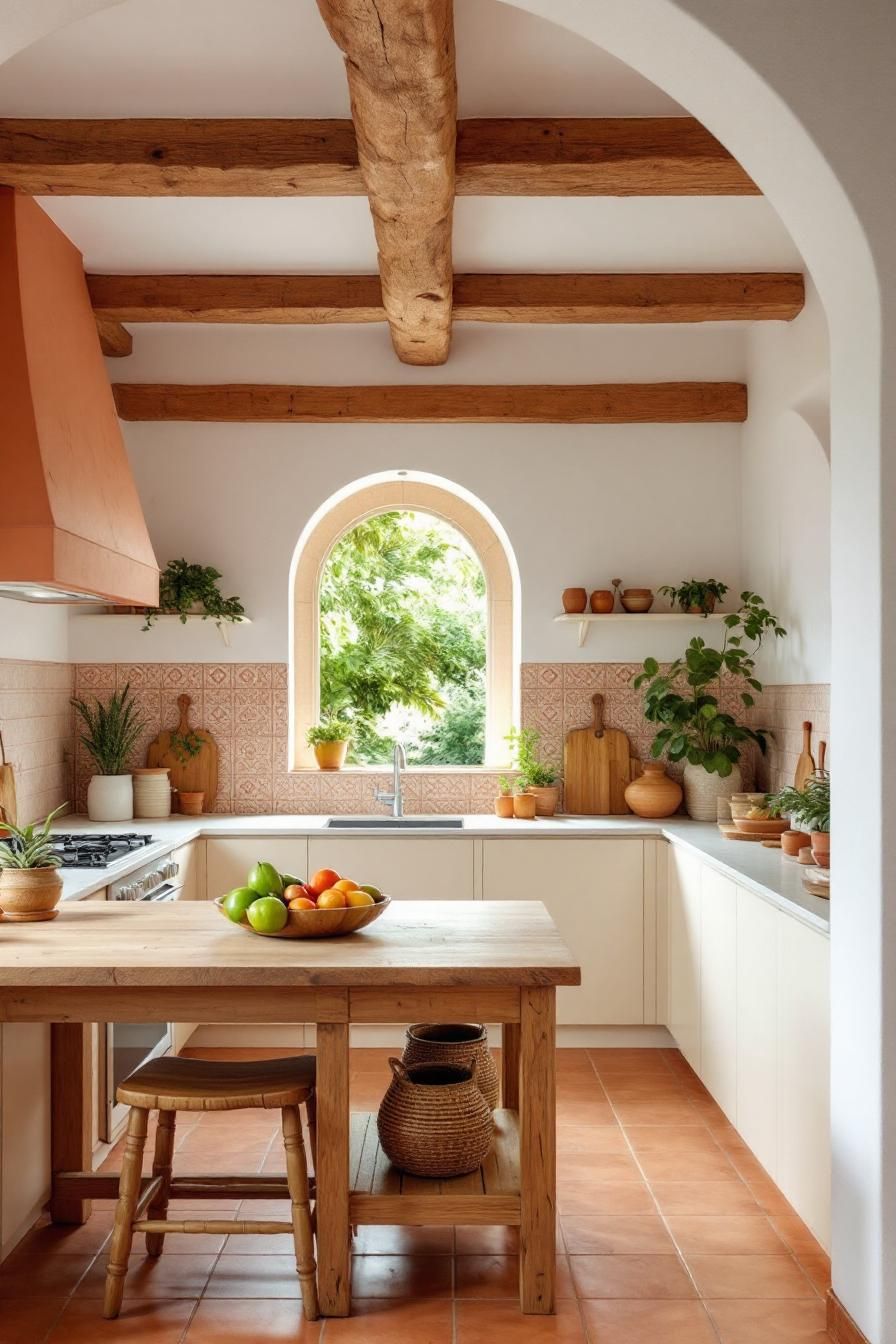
{"x":244,"y":706}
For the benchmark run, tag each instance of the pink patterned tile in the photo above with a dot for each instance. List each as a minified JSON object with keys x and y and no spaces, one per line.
{"x":139,"y":676}
{"x":484,"y":789}
{"x":250,"y":790}
{"x":222,"y":806}
{"x":219,"y":713}
{"x":541,"y":676}
{"x":217,"y":676}
{"x":280,"y":753}
{"x":280,"y":676}
{"x":252,"y":755}
{"x":445,"y":793}
{"x":340,"y":793}
{"x":252,"y":712}
{"x":280,"y":711}
{"x":621,"y":674}
{"x":542,"y":710}
{"x":297,"y":792}
{"x":578,"y":711}
{"x":246,"y":676}
{"x":225,"y":765}
{"x":584,"y":676}
{"x":181,"y":676}
{"x":95,"y":676}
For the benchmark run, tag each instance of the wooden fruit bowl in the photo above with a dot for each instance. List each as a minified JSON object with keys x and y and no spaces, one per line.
{"x":316,"y":923}
{"x":768,"y":827}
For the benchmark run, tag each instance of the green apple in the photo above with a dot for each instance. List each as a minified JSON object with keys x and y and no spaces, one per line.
{"x":267,"y":915}
{"x":237,"y":902}
{"x":372,"y":891}
{"x":265,"y":879}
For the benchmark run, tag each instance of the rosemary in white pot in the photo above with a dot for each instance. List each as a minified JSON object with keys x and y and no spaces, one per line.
{"x":111,"y":731}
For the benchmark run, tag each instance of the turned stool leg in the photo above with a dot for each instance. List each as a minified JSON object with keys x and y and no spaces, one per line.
{"x":161,"y":1166}
{"x":297,"y":1180}
{"x":311,"y":1113}
{"x":128,"y":1194}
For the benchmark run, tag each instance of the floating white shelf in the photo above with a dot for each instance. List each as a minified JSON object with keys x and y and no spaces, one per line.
{"x":166,"y":618}
{"x":584,"y":620}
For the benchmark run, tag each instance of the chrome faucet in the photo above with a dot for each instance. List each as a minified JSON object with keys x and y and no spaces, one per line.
{"x":394,"y":799}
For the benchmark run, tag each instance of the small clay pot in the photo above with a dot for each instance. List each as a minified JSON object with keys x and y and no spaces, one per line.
{"x":546,"y":799}
{"x":330,"y":755}
{"x":709,"y":605}
{"x":191,"y":803}
{"x":805,"y":856}
{"x":821,"y":848}
{"x":793,"y":841}
{"x":504,"y":805}
{"x":574,"y":600}
{"x":29,"y":894}
{"x":524,"y":806}
{"x":653,"y":794}
{"x":602,"y":601}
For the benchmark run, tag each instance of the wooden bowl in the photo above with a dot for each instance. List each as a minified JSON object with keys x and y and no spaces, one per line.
{"x":316,"y":923}
{"x":768,"y":827}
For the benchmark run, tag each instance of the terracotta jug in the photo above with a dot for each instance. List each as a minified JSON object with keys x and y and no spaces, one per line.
{"x":654,"y":794}
{"x":574,"y":600}
{"x":602,"y":601}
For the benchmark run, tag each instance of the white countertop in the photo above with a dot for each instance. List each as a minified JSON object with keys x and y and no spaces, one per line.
{"x":764,"y":871}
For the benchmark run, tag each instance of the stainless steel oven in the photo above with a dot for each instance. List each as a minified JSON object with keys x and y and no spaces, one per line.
{"x":126,"y":1045}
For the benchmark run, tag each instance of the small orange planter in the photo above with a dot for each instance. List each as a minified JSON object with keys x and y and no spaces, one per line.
{"x":330,"y":755}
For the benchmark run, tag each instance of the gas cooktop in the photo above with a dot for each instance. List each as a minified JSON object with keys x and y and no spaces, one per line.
{"x":96,"y":851}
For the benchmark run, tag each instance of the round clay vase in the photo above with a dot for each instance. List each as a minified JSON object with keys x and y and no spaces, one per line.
{"x":191,"y":804}
{"x":330,"y":755}
{"x":654,"y":794}
{"x":546,"y":799}
{"x":792,"y":842}
{"x":602,"y":601}
{"x":111,"y":798}
{"x":524,"y":806}
{"x":504,"y":805}
{"x":702,"y":790}
{"x":574,"y":601}
{"x":821,"y":848}
{"x":28,"y":895}
{"x":454,"y":1043}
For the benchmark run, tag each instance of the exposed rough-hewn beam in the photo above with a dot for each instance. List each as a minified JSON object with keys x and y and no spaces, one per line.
{"x":399,"y":59}
{"x":600,"y":403}
{"x":115,"y":340}
{"x":607,"y":156}
{"x":310,"y":299}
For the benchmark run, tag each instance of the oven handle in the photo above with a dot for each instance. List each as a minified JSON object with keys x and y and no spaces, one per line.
{"x":166,"y":892}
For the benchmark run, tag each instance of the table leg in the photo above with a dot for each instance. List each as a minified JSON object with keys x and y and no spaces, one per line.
{"x":510,"y":1065}
{"x":538,"y":1141}
{"x":333,"y":1232}
{"x":71,"y":1113}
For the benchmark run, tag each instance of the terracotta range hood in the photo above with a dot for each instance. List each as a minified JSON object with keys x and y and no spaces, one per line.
{"x":71,"y":525}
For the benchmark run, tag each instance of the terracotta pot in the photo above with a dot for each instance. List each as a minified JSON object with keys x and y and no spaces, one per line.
{"x":602,"y":601}
{"x":821,"y":848}
{"x":654,"y":794}
{"x":191,"y":803}
{"x":807,"y":857}
{"x":330,"y":755}
{"x":574,"y":600}
{"x":793,"y":841}
{"x":524,"y":806}
{"x":546,"y":799}
{"x":637,"y":599}
{"x":29,"y":894}
{"x":702,"y":790}
{"x":504,"y":805}
{"x":695,"y":609}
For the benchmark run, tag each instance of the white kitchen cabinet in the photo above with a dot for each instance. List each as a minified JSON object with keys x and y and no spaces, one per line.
{"x":683,"y":928}
{"x":24,"y":1128}
{"x":803,"y":1073}
{"x":190,"y":859}
{"x":594,"y":892}
{"x":228,"y":859}
{"x":718,"y":988}
{"x":410,"y":868}
{"x":757,"y":1025}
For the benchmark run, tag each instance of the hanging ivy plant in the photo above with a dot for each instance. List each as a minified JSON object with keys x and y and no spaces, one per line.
{"x":184,"y":587}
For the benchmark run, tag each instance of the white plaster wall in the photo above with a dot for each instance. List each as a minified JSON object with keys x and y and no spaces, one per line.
{"x":34,"y":632}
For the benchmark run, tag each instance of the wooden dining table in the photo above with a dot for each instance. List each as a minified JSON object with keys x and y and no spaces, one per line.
{"x":455,"y":961}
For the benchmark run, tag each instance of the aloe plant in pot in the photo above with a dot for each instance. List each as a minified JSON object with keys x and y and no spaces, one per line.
{"x":111,"y":732}
{"x":30,"y":885}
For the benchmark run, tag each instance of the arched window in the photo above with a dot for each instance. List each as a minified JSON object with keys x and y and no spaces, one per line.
{"x":416,"y":512}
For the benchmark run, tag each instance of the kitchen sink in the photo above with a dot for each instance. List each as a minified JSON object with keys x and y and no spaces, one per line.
{"x":395,"y":823}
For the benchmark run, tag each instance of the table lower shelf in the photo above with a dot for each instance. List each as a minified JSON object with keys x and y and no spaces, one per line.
{"x":381,"y":1194}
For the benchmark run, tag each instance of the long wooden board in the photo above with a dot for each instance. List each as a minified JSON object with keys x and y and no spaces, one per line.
{"x":596,"y":767}
{"x":199,"y":774}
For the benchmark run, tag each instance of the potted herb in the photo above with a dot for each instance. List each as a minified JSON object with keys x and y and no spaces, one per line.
{"x":188,"y":590}
{"x":504,"y":800}
{"x":111,"y":732}
{"x":697,"y":597}
{"x":30,"y":885}
{"x":685,"y":700}
{"x":184,"y":747}
{"x":535,"y":776}
{"x":330,"y":739}
{"x":810,"y":808}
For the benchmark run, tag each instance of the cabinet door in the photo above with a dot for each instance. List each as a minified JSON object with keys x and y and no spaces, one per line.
{"x":410,"y":868}
{"x":757,"y":1025}
{"x":683,"y":934}
{"x":718,"y":988}
{"x":229,"y":859}
{"x":191,"y":861}
{"x":594,"y":892}
{"x":804,"y":1104}
{"x":24,"y":1127}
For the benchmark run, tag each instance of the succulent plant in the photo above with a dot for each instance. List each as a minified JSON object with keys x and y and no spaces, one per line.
{"x":34,"y":847}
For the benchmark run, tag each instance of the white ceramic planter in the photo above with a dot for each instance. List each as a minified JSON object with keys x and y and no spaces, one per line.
{"x":152,"y":793}
{"x":702,"y":790}
{"x":110,"y":798}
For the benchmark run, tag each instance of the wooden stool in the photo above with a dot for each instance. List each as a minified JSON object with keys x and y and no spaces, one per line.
{"x":171,"y":1084}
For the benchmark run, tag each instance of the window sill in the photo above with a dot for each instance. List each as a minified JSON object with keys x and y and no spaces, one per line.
{"x":386,"y":769}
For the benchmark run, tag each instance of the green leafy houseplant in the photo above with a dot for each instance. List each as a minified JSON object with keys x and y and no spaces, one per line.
{"x":809,"y":806}
{"x":33,"y":847}
{"x":30,"y":885}
{"x":533,"y":773}
{"x":183,"y":587}
{"x":699,"y":595}
{"x":111,"y":731}
{"x":329,"y":730}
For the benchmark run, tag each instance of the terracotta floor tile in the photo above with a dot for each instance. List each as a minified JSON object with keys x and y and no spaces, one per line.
{"x":169,"y":1276}
{"x":663,"y":1322}
{"x":408,"y":1240}
{"x":725,"y":1234}
{"x":486,"y":1240}
{"x":587,"y":1167}
{"x":31,"y":1274}
{"x":704,"y":1197}
{"x":647,"y":1276}
{"x":603,"y":1197}
{"x":623,"y":1058}
{"x":401,"y":1276}
{"x":69,"y":1239}
{"x":741,"y":1322}
{"x":254,"y":1276}
{"x":29,"y":1321}
{"x":379,"y":1321}
{"x":273,"y":1321}
{"x":795,"y":1234}
{"x":748,"y":1276}
{"x":139,"y":1323}
{"x":656,"y":1113}
{"x":617,"y":1234}
{"x":487,"y":1276}
{"x":686,"y":1167}
{"x":817,"y":1268}
{"x":769,"y":1198}
{"x":692,"y":1138}
{"x":504,"y":1323}
{"x":585,"y":1113}
{"x":587,"y":1139}
{"x":258,"y":1243}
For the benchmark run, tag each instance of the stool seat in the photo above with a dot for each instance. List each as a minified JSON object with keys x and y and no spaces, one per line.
{"x":170,"y":1083}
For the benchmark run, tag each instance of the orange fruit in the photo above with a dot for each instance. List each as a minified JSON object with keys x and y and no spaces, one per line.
{"x":359,"y":898}
{"x":331,"y":900}
{"x":323,"y":880}
{"x":345,"y":884}
{"x":302,"y":903}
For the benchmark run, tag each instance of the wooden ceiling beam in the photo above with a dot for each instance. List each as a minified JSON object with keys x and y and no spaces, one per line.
{"x":312,"y":299}
{"x":115,"y":340}
{"x":594,"y":404}
{"x":399,"y":61}
{"x":605,"y":156}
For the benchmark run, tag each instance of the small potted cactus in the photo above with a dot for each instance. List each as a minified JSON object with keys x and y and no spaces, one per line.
{"x":30,"y":885}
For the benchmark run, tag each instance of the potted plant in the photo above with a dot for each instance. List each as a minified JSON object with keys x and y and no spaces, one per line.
{"x":184,"y":747}
{"x":30,"y":885}
{"x":330,"y":739}
{"x":504,"y":800}
{"x":697,"y":597}
{"x":188,"y":590}
{"x":111,"y":732}
{"x":686,"y":700}
{"x":535,"y":776}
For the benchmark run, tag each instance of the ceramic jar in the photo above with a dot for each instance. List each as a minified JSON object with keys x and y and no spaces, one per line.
{"x":524,"y":806}
{"x":152,"y":793}
{"x":454,"y":1043}
{"x":703,"y":789}
{"x":504,"y":805}
{"x":28,"y":895}
{"x":602,"y":601}
{"x":330,"y":755}
{"x":654,"y":794}
{"x":574,"y":601}
{"x":110,"y":798}
{"x":637,"y":599}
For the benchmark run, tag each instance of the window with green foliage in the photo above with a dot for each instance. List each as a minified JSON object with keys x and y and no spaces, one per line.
{"x":403,"y":640}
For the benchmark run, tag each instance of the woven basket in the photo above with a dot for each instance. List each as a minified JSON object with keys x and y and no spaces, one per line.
{"x":434,"y":1121}
{"x":454,"y":1043}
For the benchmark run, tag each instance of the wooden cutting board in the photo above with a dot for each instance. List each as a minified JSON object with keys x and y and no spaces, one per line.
{"x":596,"y":768}
{"x":805,"y":766}
{"x":197,"y":775}
{"x":8,"y":804}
